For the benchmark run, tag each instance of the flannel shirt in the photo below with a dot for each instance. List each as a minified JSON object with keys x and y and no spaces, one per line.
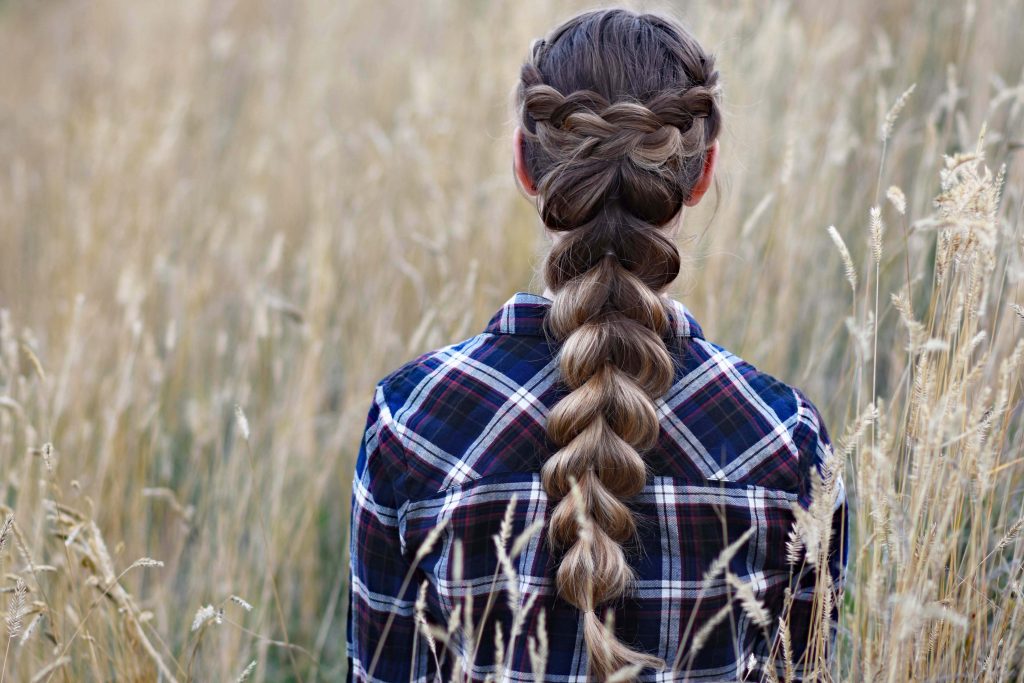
{"x":452,"y":436}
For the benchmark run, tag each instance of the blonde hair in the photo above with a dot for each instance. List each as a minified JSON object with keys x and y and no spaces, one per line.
{"x":617,"y":110}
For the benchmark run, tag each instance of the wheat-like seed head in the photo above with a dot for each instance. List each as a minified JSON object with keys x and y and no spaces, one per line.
{"x":244,"y":676}
{"x":721,"y":562}
{"x":5,"y":531}
{"x":897,"y":198}
{"x":752,"y":606}
{"x":787,"y":649}
{"x":31,"y":628}
{"x":700,"y":639}
{"x":420,"y":611}
{"x":844,"y":254}
{"x":144,"y":562}
{"x":877,"y":231}
{"x":240,"y":602}
{"x":242,"y":421}
{"x":894,"y":112}
{"x":205,"y":615}
{"x":537,"y":647}
{"x":16,"y":609}
{"x":626,"y":674}
{"x":47,"y":453}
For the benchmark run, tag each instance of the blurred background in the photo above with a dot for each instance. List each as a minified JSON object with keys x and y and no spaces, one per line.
{"x":270,"y":204}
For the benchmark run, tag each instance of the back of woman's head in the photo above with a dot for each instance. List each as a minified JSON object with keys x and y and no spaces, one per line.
{"x":618,"y":111}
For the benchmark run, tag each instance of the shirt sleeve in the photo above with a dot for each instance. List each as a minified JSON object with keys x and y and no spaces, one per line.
{"x":379,"y":585}
{"x":821,"y":534}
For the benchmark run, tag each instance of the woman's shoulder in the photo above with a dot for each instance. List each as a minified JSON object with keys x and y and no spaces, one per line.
{"x":505,"y":355}
{"x":469,"y":409}
{"x":403,"y":378}
{"x":750,"y":383}
{"x":775,"y":432}
{"x":483,"y":361}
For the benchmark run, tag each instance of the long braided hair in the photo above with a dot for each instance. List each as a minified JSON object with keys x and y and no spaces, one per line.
{"x":618,"y":110}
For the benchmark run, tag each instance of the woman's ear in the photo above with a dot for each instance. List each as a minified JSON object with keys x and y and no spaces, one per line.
{"x":706,"y":176}
{"x":519,"y":164}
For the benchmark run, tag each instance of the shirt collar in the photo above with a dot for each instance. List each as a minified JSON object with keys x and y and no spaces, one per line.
{"x":524,"y":313}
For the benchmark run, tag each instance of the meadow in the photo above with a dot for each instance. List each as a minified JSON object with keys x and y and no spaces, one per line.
{"x":221,"y":222}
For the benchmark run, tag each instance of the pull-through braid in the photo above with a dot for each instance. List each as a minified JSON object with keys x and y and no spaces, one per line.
{"x":610,"y":171}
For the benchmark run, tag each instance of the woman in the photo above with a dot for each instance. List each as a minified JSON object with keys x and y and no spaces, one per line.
{"x":600,"y":412}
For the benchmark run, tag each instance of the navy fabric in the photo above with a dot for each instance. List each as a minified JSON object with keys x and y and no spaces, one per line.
{"x":456,"y":435}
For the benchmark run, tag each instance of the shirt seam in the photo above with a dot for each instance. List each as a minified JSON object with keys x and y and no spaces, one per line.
{"x":388,"y":422}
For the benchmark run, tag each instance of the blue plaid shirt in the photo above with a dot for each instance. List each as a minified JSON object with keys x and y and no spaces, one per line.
{"x":453,"y":435}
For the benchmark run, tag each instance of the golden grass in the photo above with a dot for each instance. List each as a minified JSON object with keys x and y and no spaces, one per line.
{"x":270,"y":205}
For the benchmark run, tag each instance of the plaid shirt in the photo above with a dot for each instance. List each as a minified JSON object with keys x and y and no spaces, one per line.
{"x":453,"y":435}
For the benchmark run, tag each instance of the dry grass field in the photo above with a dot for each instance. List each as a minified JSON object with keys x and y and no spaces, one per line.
{"x":269,"y":204}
